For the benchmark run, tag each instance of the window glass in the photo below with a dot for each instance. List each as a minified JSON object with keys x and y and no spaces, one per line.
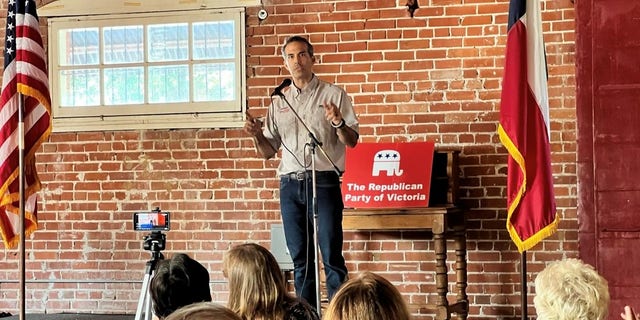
{"x":146,"y":70}
{"x":214,"y":82}
{"x":80,"y":87}
{"x":213,"y":40}
{"x":169,"y":84}
{"x":124,"y":86}
{"x":78,"y":47}
{"x":123,"y":44}
{"x":168,"y":42}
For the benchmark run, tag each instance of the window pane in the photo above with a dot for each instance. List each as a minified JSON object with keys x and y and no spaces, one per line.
{"x":214,"y":82}
{"x":78,"y":47}
{"x":148,"y":70}
{"x":213,"y":40}
{"x":79,"y":88}
{"x":169,"y":84}
{"x":124,"y":86}
{"x":168,"y":42}
{"x":123,"y":44}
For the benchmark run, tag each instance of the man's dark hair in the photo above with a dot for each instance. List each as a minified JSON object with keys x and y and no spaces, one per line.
{"x":178,"y":282}
{"x":297,"y":39}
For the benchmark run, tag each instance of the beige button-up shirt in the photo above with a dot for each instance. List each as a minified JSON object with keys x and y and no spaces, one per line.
{"x":283,"y":128}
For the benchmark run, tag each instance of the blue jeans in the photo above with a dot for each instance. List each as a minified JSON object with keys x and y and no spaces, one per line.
{"x":296,"y":205}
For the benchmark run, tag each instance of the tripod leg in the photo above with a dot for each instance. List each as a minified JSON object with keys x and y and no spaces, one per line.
{"x":144,"y":300}
{"x":147,"y":312}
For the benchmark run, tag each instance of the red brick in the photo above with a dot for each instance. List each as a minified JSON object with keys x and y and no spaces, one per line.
{"x":436,"y":76}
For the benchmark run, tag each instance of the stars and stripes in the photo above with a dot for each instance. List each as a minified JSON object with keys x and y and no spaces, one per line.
{"x":24,"y":78}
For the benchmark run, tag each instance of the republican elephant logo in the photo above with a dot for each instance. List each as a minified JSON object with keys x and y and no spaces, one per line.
{"x":388,"y":161}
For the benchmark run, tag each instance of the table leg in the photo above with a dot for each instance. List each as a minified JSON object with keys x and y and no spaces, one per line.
{"x":462,"y":304}
{"x":442,"y":283}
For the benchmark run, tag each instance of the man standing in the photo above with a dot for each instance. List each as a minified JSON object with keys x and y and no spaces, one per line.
{"x":328,"y":113}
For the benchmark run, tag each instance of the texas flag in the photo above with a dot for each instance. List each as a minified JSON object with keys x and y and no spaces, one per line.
{"x":524,"y":129}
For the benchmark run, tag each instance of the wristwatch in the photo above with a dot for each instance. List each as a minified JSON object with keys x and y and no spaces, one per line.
{"x":339,"y":125}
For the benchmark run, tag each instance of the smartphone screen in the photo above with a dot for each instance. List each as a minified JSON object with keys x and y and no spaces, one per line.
{"x":151,"y":221}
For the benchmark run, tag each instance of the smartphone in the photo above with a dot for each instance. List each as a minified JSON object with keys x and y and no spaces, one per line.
{"x":151,"y":221}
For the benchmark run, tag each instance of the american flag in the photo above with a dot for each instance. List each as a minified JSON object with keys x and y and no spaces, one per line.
{"x":24,"y":75}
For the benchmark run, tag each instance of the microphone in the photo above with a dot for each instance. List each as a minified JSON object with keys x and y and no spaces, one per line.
{"x":278,"y":91}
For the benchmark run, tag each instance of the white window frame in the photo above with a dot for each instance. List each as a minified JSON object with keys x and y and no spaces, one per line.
{"x":64,"y":14}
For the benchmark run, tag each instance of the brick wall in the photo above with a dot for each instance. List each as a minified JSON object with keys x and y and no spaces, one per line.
{"x":436,"y":76}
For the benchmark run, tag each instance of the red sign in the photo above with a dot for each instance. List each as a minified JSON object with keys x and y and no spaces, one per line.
{"x":388,"y":175}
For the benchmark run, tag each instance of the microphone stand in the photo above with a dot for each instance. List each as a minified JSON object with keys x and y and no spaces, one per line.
{"x":313,"y":144}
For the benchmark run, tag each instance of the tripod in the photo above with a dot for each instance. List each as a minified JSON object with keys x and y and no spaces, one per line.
{"x":154,"y":242}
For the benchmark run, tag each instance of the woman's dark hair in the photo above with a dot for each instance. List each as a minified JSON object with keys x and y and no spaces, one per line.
{"x":178,"y":282}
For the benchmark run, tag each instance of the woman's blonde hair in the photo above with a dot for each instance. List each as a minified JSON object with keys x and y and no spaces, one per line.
{"x":367,"y":297}
{"x":257,"y":288}
{"x":571,"y":290}
{"x":204,"y":311}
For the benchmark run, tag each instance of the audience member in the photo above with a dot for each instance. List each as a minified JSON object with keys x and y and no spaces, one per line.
{"x":629,"y":314}
{"x":257,"y":289}
{"x":203,"y":311}
{"x":570,"y":290}
{"x":178,"y":282}
{"x":367,"y":297}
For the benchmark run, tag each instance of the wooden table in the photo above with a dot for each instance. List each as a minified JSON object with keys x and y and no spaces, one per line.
{"x":447,"y":222}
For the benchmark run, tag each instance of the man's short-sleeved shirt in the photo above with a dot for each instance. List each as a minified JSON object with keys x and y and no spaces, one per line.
{"x":284,"y":130}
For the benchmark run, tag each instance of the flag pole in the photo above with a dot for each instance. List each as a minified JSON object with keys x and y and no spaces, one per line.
{"x":523,"y":285}
{"x":22,"y":203}
{"x":25,"y":68}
